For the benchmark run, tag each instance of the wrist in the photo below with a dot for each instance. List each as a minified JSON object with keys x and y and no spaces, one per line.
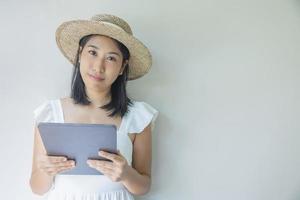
{"x":127,"y":170}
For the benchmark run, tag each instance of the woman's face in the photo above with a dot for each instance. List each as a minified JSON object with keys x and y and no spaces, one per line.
{"x":100,"y":63}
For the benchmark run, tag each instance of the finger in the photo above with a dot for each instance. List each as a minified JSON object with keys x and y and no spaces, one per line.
{"x":43,"y":165}
{"x":97,"y":163}
{"x":120,"y":155}
{"x":65,"y":163}
{"x":110,"y":156}
{"x":55,"y":170}
{"x":104,"y":170}
{"x":56,"y":158}
{"x":92,"y":163}
{"x":105,"y":164}
{"x":49,"y":171}
{"x":61,"y":169}
{"x":68,"y":163}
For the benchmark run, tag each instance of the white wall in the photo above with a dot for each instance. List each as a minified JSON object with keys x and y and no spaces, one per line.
{"x":225,"y":80}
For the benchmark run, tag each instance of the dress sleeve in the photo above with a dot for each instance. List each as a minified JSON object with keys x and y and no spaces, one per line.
{"x":43,"y":113}
{"x":140,"y":115}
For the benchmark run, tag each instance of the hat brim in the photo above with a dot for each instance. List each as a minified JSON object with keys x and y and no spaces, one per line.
{"x":69,"y":33}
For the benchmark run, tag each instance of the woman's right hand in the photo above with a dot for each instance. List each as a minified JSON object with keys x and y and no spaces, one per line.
{"x":52,"y":165}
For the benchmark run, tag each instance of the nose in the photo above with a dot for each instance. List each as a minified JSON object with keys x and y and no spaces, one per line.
{"x":99,"y":65}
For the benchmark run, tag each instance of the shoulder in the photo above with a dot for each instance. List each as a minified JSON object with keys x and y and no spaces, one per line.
{"x":140,"y":114}
{"x":66,"y":102}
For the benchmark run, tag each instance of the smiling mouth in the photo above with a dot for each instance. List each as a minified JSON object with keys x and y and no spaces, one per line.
{"x":97,"y":78}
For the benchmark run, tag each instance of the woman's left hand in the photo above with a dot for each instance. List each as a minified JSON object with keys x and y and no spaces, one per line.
{"x":116,"y":170}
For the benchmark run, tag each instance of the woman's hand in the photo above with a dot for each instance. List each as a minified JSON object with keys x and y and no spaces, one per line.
{"x":116,"y":170}
{"x":52,"y":165}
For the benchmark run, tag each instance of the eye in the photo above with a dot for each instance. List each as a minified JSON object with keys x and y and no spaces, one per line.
{"x":111,"y":58}
{"x":92,"y":52}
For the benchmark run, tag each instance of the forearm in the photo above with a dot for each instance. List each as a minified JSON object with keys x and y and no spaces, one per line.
{"x":40,"y":182}
{"x":137,"y":183}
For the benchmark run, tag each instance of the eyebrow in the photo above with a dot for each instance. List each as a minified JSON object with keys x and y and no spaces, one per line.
{"x":112,"y":52}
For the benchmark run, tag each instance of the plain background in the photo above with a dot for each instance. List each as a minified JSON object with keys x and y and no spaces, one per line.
{"x":225,"y":79}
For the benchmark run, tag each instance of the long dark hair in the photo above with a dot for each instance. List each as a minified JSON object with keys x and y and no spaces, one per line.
{"x":118,"y":106}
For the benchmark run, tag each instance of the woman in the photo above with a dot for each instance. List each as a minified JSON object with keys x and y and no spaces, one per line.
{"x":105,"y":56}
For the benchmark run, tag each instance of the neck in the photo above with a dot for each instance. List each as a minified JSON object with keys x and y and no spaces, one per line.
{"x":98,"y":98}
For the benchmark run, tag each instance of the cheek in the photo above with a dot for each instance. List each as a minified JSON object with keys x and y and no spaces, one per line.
{"x":82,"y":70}
{"x":84,"y":74}
{"x":86,"y":64}
{"x":114,"y":74}
{"x":86,"y":67}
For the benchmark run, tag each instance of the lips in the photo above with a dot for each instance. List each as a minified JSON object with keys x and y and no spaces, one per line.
{"x":98,"y":78}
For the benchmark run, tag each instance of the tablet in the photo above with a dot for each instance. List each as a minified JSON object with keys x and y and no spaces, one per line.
{"x":78,"y":142}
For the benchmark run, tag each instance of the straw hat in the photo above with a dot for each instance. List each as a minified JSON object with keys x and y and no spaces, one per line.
{"x":69,"y":33}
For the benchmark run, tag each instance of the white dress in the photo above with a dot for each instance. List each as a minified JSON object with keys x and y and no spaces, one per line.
{"x":96,"y":187}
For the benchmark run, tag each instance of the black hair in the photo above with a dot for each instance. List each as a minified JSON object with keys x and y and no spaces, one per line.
{"x":118,"y":106}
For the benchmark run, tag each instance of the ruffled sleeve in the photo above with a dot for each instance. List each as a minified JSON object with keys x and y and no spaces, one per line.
{"x":43,"y":113}
{"x":139,"y":116}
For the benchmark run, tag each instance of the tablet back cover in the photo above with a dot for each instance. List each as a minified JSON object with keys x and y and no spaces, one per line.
{"x":78,"y":142}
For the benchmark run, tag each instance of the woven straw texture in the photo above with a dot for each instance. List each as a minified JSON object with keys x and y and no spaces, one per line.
{"x":69,"y":33}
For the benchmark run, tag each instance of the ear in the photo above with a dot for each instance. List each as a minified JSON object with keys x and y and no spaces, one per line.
{"x":123,"y":67}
